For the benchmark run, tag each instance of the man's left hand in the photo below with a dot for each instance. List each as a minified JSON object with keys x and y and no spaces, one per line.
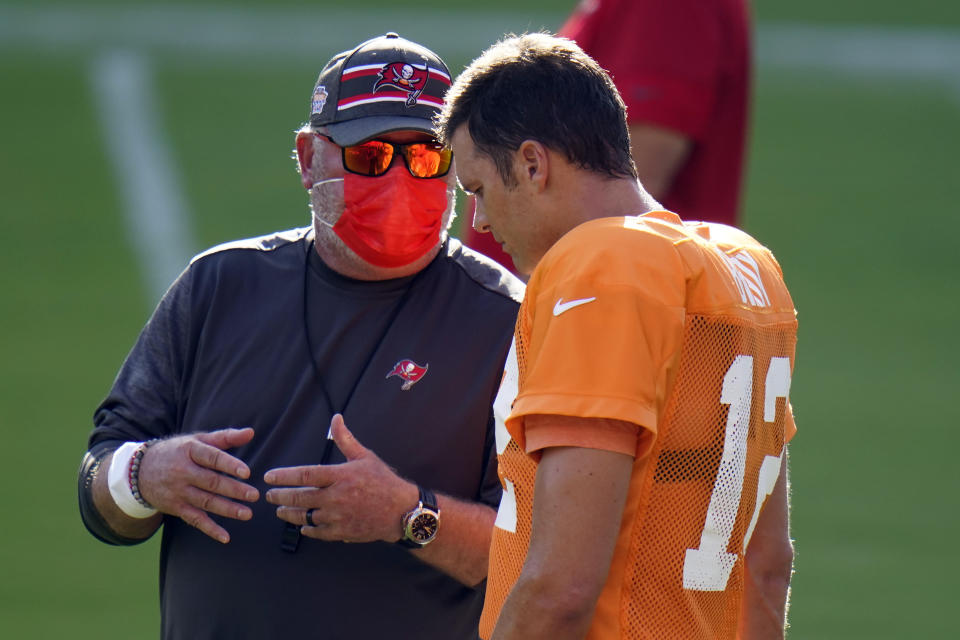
{"x":360,"y":500}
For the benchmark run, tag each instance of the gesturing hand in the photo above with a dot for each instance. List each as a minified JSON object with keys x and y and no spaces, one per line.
{"x":360,"y":500}
{"x":189,"y":476}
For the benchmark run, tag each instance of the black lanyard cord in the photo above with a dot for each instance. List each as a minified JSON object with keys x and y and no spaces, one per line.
{"x":290,"y":538}
{"x":327,"y":449}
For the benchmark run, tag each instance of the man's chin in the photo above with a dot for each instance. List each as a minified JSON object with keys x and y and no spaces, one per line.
{"x":520,"y":264}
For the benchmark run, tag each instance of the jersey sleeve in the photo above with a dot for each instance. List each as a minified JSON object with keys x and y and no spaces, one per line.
{"x":143,"y":402}
{"x":600,"y":346}
{"x":589,"y":433}
{"x":663,"y":57}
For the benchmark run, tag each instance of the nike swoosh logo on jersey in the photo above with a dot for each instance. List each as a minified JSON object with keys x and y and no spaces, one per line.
{"x":562,"y":306}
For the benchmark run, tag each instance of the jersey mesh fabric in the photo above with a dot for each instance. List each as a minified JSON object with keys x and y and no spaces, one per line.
{"x":703,"y":336}
{"x":508,"y":551}
{"x":684,"y":470}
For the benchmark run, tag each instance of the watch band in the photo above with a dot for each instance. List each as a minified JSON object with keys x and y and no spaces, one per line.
{"x":428,"y":499}
{"x":427,"y":502}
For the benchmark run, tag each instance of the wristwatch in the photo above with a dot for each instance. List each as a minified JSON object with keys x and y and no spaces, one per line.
{"x":420,"y":525}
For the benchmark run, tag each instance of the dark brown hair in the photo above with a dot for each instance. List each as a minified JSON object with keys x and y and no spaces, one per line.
{"x":545,"y":88}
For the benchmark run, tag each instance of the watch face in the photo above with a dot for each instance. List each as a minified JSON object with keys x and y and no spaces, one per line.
{"x":423,"y":527}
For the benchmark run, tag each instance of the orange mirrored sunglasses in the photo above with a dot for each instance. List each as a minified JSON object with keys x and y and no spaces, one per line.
{"x":374,"y":157}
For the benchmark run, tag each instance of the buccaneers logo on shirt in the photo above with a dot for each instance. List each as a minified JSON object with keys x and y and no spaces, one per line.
{"x":403,"y":76}
{"x":410,"y":371}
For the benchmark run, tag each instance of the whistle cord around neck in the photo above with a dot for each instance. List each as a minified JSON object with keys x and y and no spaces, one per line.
{"x":398,"y":307}
{"x":290,"y":536}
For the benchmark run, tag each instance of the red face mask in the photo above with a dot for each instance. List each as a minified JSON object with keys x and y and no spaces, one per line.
{"x":393,"y":219}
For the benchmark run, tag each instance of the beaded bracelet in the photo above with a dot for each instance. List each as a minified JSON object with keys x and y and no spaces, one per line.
{"x":133,"y":474}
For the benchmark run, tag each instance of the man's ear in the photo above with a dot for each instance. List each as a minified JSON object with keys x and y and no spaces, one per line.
{"x":305,"y":157}
{"x":533,"y":162}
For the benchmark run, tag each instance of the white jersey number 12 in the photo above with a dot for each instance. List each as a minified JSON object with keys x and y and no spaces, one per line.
{"x":707,"y":568}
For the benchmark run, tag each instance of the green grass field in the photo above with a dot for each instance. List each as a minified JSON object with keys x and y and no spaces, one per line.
{"x":852,"y":183}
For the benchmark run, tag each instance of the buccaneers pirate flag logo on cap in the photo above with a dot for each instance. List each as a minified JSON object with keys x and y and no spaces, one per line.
{"x":410,"y":371}
{"x":403,"y":76}
{"x":385,"y":84}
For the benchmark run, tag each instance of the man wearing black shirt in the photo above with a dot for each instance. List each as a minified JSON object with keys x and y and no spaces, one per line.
{"x":301,"y":413}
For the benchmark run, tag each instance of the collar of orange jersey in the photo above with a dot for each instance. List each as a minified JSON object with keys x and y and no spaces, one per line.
{"x":663,"y":214}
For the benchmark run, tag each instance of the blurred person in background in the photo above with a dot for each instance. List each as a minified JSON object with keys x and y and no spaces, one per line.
{"x":321,"y":369}
{"x":683,"y":68}
{"x":644,"y":413}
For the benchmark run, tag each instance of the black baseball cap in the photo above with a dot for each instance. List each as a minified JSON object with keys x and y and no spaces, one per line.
{"x":385,"y":84}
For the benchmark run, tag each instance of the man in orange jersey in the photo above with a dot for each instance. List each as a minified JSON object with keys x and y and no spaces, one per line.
{"x":643,"y":416}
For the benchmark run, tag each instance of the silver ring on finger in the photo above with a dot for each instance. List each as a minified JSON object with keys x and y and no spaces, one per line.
{"x":309,"y":518}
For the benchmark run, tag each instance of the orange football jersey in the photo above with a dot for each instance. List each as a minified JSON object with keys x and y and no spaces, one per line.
{"x":688,"y":331}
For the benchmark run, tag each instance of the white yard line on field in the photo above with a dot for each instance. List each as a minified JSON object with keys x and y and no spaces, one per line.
{"x":155,"y":211}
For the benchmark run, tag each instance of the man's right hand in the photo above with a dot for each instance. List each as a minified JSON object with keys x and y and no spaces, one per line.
{"x":189,"y":476}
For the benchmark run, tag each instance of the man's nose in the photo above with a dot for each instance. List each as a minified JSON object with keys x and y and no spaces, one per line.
{"x":480,"y":223}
